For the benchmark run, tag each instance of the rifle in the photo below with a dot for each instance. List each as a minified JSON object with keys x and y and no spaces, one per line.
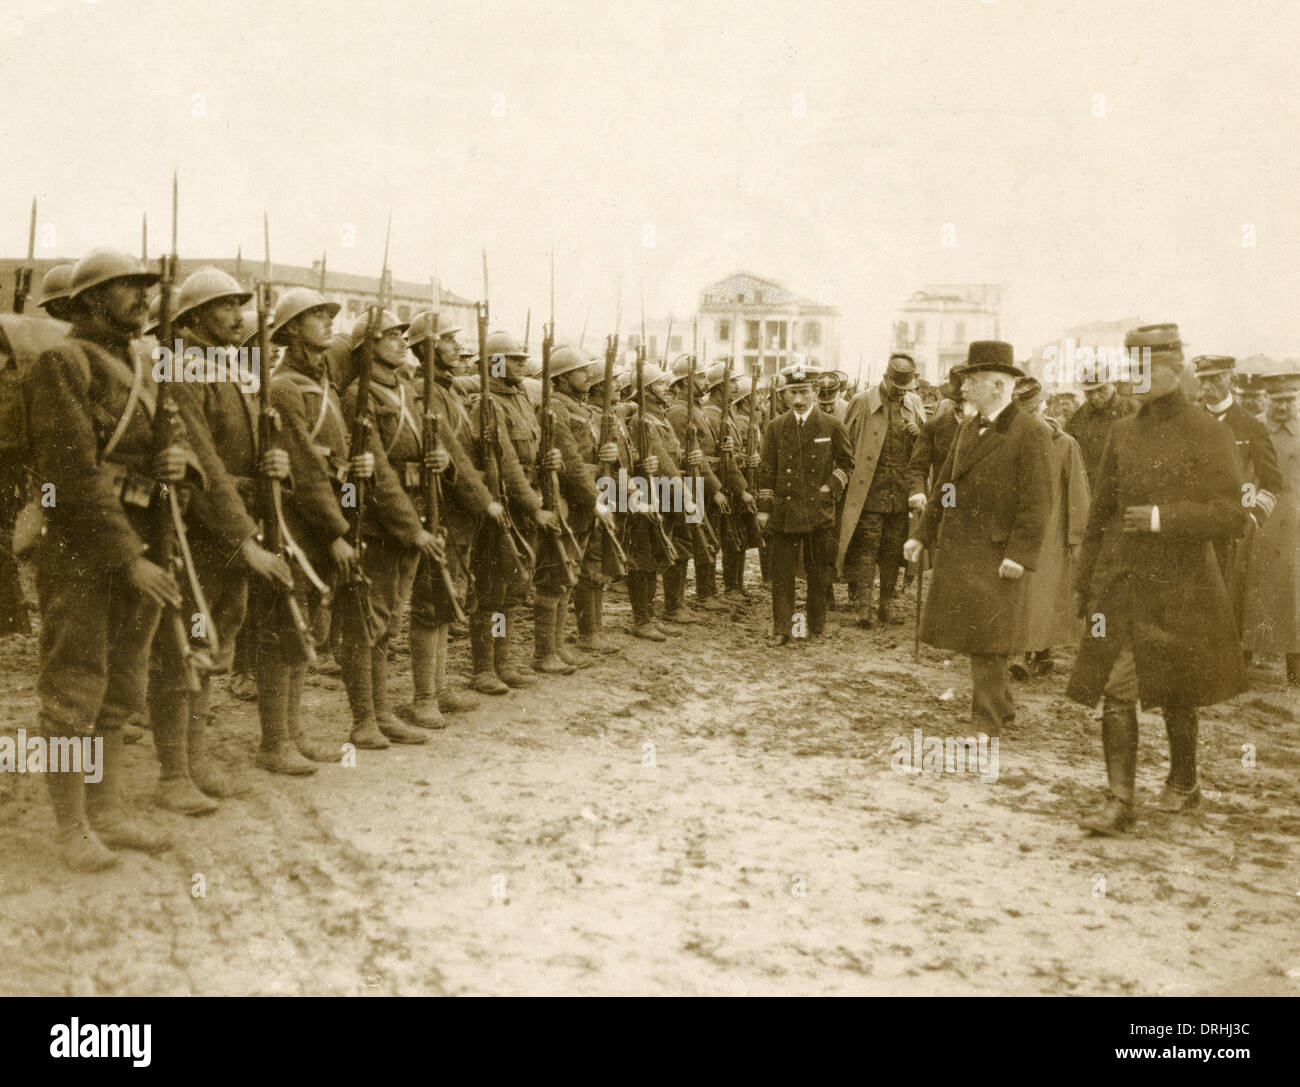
{"x":168,"y":543}
{"x":512,"y":545}
{"x":23,"y":276}
{"x":561,"y":543}
{"x":751,"y":435}
{"x":661,"y":543}
{"x":702,"y":531}
{"x":613,"y":557}
{"x":356,"y":583}
{"x":447,"y":605}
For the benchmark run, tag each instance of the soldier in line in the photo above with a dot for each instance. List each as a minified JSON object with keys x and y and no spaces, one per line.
{"x":315,"y":437}
{"x":805,"y":467}
{"x":1259,"y":471}
{"x":1168,"y":485}
{"x":1090,"y":425}
{"x":985,"y":517}
{"x":498,"y":596}
{"x":89,"y":419}
{"x":222,"y":424}
{"x":1273,"y":593}
{"x":689,"y":544}
{"x":465,"y":499}
{"x":738,"y":530}
{"x":395,"y":538}
{"x":883,"y":422}
{"x":1051,"y":610}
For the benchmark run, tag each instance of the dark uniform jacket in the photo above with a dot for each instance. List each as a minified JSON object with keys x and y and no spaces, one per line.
{"x":931,"y":448}
{"x":991,"y":501}
{"x":798,"y":460}
{"x":1162,"y":593}
{"x":465,"y":495}
{"x":1089,"y":428}
{"x":705,"y":437}
{"x":1255,"y":452}
{"x":577,"y":445}
{"x":519,"y":438}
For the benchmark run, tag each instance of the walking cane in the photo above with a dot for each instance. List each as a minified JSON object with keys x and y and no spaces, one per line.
{"x":915,"y":520}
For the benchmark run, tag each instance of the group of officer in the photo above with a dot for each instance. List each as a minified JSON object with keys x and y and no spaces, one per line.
{"x":986,"y":484}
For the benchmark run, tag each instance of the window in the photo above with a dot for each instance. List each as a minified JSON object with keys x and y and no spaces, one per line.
{"x":959,"y":333}
{"x":751,"y":335}
{"x":724,"y":331}
{"x":812,"y":333}
{"x":920,"y":332}
{"x":900,"y":334}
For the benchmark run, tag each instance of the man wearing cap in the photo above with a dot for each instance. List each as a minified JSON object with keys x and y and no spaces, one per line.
{"x":883,"y":421}
{"x":395,"y":536}
{"x":315,"y":436}
{"x":805,"y":464}
{"x":494,"y":623}
{"x":1091,"y":423}
{"x":986,"y":517}
{"x":1261,"y":479}
{"x":828,"y":394}
{"x":465,"y":497}
{"x":1252,"y":394}
{"x":1160,"y":624}
{"x":222,"y":423}
{"x":689,"y":544}
{"x":91,"y":400}
{"x":1273,"y":592}
{"x":1051,"y":608}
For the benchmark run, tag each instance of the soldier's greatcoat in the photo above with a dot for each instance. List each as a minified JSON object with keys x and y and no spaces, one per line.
{"x":996,"y":508}
{"x":1089,"y":427}
{"x":1273,"y":595}
{"x":1162,"y":593}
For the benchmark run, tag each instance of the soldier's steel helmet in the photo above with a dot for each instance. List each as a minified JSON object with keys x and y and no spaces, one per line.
{"x":741,"y":387}
{"x":566,"y":359}
{"x":422,"y":324}
{"x":651,"y":375}
{"x":502,"y":343}
{"x":155,"y":313}
{"x":101,"y":266}
{"x":294,"y":303}
{"x":388,"y":321}
{"x":57,"y":284}
{"x":207,"y":285}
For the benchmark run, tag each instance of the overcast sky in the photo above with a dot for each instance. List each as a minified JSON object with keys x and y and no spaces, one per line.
{"x":684,"y":115}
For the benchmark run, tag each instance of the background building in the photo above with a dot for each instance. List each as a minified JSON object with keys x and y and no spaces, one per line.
{"x":768,"y":322}
{"x":937,"y":324}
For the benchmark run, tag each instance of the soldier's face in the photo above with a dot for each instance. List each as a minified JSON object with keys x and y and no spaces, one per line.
{"x":312,"y":328}
{"x":1165,"y":378}
{"x":799,"y":398}
{"x":575,"y":382}
{"x":1100,"y":396}
{"x":220,"y":321}
{"x":659,"y":392}
{"x":391,"y":347}
{"x":1254,"y":402}
{"x":1214,"y":388}
{"x":515,"y":367}
{"x":1283,"y":408}
{"x":122,"y":302}
{"x":448,"y":351}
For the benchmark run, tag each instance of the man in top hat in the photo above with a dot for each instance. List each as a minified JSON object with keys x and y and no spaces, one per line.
{"x":1091,"y":423}
{"x":1051,"y":609}
{"x":1273,"y":592}
{"x":883,"y":422}
{"x":1160,"y":624}
{"x":986,"y":518}
{"x":804,"y":467}
{"x":1261,"y":479}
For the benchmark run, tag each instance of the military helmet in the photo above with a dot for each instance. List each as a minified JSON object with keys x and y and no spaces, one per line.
{"x":681,"y":367}
{"x":422,"y":324}
{"x":650,"y":375}
{"x":101,"y":266}
{"x":388,"y":321}
{"x":294,"y":303}
{"x":715,"y":373}
{"x":566,"y":359}
{"x":502,"y":343}
{"x":207,"y":285}
{"x":155,"y":313}
{"x":741,"y":387}
{"x":533,"y":368}
{"x":57,"y":284}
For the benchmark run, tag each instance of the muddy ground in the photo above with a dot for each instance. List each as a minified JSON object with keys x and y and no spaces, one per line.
{"x":706,"y":816}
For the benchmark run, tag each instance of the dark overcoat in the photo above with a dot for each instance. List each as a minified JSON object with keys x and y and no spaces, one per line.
{"x":1162,"y":592}
{"x":991,"y":501}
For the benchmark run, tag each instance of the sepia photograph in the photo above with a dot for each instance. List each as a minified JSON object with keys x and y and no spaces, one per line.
{"x":707,"y":499}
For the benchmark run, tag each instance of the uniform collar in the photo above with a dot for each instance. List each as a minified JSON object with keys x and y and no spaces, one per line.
{"x":1165,"y":406}
{"x":1221,"y":407}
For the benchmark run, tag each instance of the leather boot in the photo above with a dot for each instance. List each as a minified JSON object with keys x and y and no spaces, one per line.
{"x":706,"y":586}
{"x":323,"y":751}
{"x":545,"y":658}
{"x":355,"y":659}
{"x":1182,"y":792}
{"x":507,"y":672}
{"x":450,"y":700}
{"x":79,"y":847}
{"x":169,"y":710}
{"x":387,"y":721}
{"x":482,"y":646}
{"x":424,"y":711}
{"x":638,"y":592}
{"x":278,"y":753}
{"x":562,"y":650}
{"x":204,"y":771}
{"x":106,"y":812}
{"x":675,"y":609}
{"x":589,"y":603}
{"x":1119,"y":739}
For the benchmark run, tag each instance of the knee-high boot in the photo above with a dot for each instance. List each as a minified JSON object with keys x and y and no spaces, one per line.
{"x":1119,"y":740}
{"x":545,"y":657}
{"x":509,"y":674}
{"x":278,"y":752}
{"x":450,"y":700}
{"x":169,"y":710}
{"x":1182,"y":792}
{"x":425,"y":646}
{"x":353,"y":655}
{"x":388,"y":723}
{"x":562,"y":650}
{"x":481,"y":646}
